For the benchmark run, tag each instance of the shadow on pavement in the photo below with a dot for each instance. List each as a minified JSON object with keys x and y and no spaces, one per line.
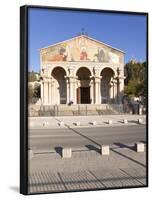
{"x":129,"y":158}
{"x":125,"y":146}
{"x":93,"y":148}
{"x":58,"y":150}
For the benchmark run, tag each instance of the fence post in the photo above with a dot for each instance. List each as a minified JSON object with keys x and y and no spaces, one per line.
{"x":55,"y":110}
{"x":78,"y":109}
{"x":86,"y":109}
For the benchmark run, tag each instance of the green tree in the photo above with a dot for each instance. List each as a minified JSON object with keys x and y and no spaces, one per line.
{"x":32,"y":76}
{"x":136,"y":79}
{"x":30,"y":91}
{"x":37,"y":90}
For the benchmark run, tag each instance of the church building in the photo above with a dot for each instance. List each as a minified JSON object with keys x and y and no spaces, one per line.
{"x":81,"y":70}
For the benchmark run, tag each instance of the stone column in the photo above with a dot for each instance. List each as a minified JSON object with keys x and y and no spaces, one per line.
{"x":115,"y":90}
{"x":45,"y":92}
{"x":111,"y":92}
{"x":71,"y":82}
{"x":92,"y":91}
{"x":122,"y":86}
{"x":100,"y":94}
{"x":71,"y":89}
{"x":97,"y":90}
{"x":115,"y":82}
{"x":42,"y":92}
{"x":50,"y":91}
{"x":67,"y":82}
{"x":75,"y":90}
{"x":119,"y":81}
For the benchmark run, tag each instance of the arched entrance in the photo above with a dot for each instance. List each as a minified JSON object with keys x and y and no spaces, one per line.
{"x":106,"y":87}
{"x":83,"y":90}
{"x":59,"y":89}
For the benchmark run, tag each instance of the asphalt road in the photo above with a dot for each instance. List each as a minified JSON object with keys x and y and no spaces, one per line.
{"x":49,"y":139}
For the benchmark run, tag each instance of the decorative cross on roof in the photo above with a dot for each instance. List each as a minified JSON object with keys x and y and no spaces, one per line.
{"x":82,"y":32}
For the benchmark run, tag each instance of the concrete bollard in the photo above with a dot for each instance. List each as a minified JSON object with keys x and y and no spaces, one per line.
{"x":30,"y":154}
{"x":105,"y":150}
{"x":66,"y":152}
{"x":140,"y":111}
{"x":31,"y":124}
{"x":93,"y":123}
{"x":77,"y":123}
{"x":139,"y":147}
{"x":109,"y":121}
{"x":61,"y":123}
{"x":45,"y":123}
{"x":140,"y":121}
{"x":125,"y":121}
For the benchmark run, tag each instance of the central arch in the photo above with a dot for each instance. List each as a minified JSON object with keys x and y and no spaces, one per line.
{"x":59,"y":89}
{"x":83,"y":90}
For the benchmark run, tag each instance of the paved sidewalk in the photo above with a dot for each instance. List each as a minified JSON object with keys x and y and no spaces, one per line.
{"x":87,"y":170}
{"x":85,"y":121}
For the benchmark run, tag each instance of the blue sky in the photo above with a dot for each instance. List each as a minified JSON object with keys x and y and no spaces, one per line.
{"x":123,"y":31}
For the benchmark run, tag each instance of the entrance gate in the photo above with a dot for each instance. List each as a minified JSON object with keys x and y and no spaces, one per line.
{"x":83,"y":95}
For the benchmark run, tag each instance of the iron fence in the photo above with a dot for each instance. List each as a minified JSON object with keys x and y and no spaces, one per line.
{"x":82,"y":109}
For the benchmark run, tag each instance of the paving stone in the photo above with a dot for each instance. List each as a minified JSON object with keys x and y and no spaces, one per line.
{"x":87,"y":170}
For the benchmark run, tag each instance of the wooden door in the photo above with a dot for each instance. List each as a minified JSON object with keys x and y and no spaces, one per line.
{"x":85,"y":95}
{"x":78,"y":95}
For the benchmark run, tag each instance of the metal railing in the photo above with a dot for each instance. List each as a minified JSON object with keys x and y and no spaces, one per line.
{"x":82,"y":109}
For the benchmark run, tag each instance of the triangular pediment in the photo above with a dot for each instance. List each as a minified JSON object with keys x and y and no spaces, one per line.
{"x":81,"y":48}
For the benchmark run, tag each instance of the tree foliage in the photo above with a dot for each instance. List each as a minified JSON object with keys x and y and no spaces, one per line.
{"x":34,"y":92}
{"x":30,"y":91}
{"x":32,"y":77}
{"x":37,"y":91}
{"x":136,"y":79}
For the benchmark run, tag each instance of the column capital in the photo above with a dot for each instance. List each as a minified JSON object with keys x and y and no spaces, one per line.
{"x":45,"y":80}
{"x":91,"y":82}
{"x":119,"y":77}
{"x":50,"y":79}
{"x":111,"y":84}
{"x":123,"y":77}
{"x":71,"y":77}
{"x":96,"y":77}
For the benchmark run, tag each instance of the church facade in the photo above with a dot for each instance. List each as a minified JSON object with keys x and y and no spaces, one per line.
{"x":81,"y":70}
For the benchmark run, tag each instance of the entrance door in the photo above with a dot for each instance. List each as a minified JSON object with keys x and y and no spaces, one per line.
{"x":78,"y":95}
{"x":85,"y":95}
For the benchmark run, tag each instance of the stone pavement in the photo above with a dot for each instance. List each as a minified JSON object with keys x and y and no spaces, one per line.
{"x":87,"y":169}
{"x":53,"y":122}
